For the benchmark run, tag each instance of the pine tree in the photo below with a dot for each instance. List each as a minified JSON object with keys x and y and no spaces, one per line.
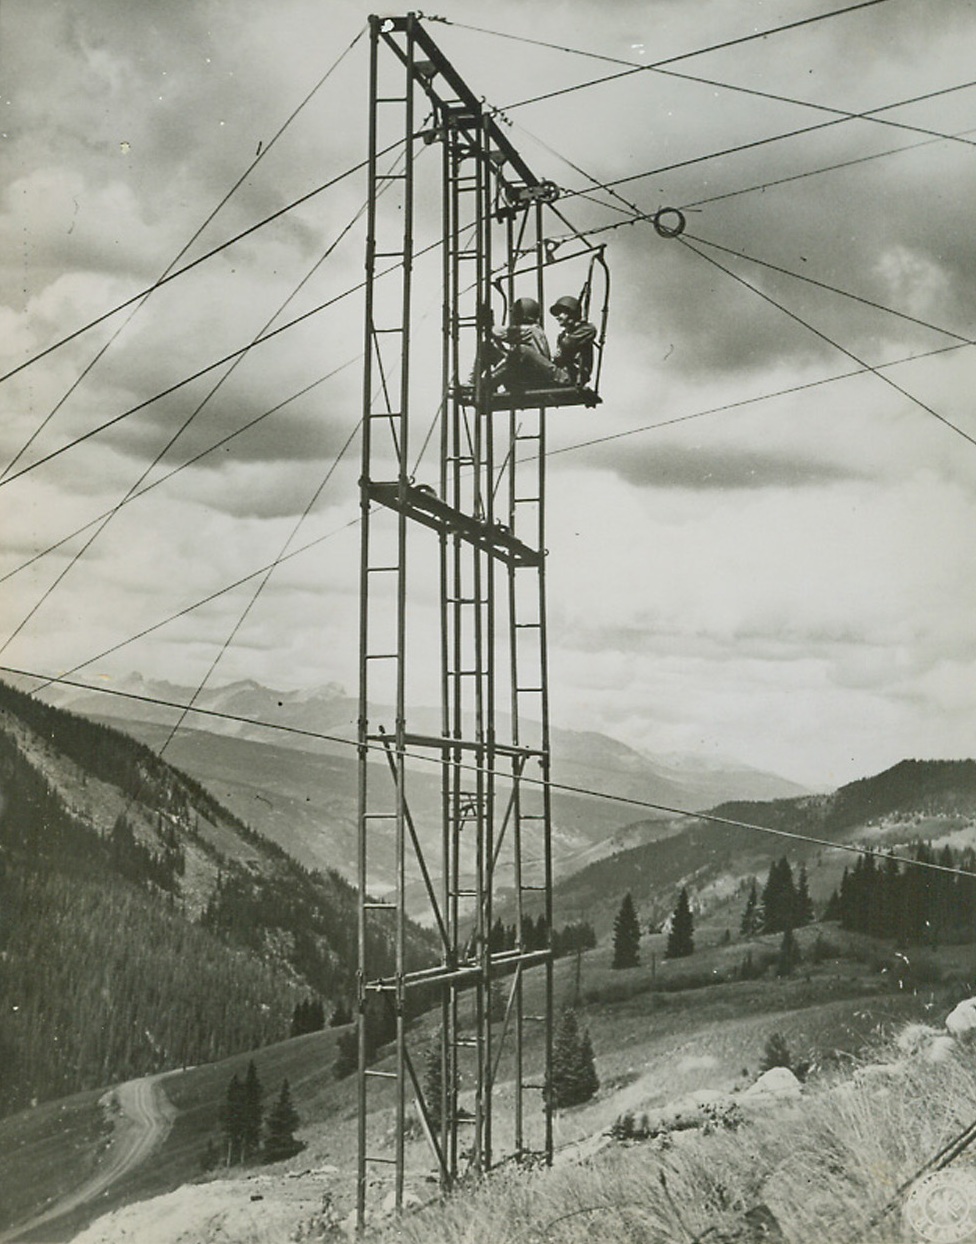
{"x":750,"y":921}
{"x":626,"y":935}
{"x":778,"y":897}
{"x":804,"y":903}
{"x":280,"y":1141}
{"x":251,"y":1112}
{"x":681,"y":938}
{"x":574,"y":1079}
{"x":231,"y":1119}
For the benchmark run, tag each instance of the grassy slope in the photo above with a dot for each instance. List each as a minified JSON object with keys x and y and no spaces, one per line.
{"x":654,"y":1041}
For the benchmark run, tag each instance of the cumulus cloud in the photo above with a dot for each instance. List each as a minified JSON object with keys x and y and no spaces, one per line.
{"x":779,"y":571}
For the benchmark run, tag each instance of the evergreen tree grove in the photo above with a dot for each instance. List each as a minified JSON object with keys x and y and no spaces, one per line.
{"x":626,"y":935}
{"x":681,"y":938}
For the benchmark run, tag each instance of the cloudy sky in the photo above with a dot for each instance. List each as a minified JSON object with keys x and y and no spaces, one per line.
{"x":759,"y":548}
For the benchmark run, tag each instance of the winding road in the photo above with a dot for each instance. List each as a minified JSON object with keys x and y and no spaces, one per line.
{"x":144,"y":1118}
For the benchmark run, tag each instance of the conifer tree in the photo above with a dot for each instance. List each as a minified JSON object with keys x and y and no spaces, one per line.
{"x":804,"y":903}
{"x":251,"y":1112}
{"x":626,"y":935}
{"x":750,"y":921}
{"x":280,"y":1141}
{"x":574,"y":1079}
{"x":778,"y":897}
{"x":681,"y":938}
{"x":231,"y":1119}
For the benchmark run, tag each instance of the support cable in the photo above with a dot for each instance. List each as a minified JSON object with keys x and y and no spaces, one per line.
{"x":224,"y":440}
{"x":831,"y":342}
{"x":104,"y":522}
{"x":543,"y":783}
{"x":633,"y":67}
{"x":178,"y":272}
{"x":263,"y":150}
{"x":748,"y":401}
{"x":598,"y":440}
{"x":827,"y":168}
{"x":772,"y":138}
{"x":832,"y":289}
{"x":203,"y":371}
{"x":232,"y":635}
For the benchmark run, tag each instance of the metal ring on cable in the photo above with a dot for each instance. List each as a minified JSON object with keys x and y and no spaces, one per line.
{"x":665,"y":230}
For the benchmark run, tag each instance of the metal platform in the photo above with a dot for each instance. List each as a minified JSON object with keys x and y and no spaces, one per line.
{"x":422,"y":504}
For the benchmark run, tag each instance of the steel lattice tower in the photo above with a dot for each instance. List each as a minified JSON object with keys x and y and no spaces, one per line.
{"x":476,"y":546}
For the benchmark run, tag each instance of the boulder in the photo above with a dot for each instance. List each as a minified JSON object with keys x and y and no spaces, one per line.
{"x":776,"y":1082}
{"x":961,"y":1020}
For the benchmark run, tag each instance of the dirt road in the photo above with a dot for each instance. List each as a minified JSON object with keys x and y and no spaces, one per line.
{"x":143,"y":1119}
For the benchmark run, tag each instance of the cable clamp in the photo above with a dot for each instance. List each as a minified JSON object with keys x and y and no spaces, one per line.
{"x":668,"y":222}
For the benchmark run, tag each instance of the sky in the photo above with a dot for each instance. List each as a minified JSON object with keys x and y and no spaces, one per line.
{"x":760,"y":546}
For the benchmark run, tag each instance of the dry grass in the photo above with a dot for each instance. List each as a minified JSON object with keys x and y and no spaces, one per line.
{"x":823,"y":1166}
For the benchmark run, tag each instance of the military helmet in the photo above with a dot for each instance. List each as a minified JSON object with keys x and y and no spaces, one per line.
{"x":526,"y":311}
{"x":569,"y":304}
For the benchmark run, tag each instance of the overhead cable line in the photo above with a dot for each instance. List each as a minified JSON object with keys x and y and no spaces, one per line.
{"x":203,"y":371}
{"x":633,"y":67}
{"x":772,"y":96}
{"x":762,"y":186}
{"x":224,"y":440}
{"x":206,"y":600}
{"x":330,"y":249}
{"x":749,"y":401}
{"x":831,"y":342}
{"x":826,"y":168}
{"x":255,"y":595}
{"x":104,"y":522}
{"x":833,"y":289}
{"x":598,"y":440}
{"x":178,"y":272}
{"x":560,"y":787}
{"x":772,"y":138}
{"x":263,"y":150}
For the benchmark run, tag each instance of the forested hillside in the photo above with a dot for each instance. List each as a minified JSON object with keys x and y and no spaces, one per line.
{"x":141,"y":925}
{"x":913,"y":802}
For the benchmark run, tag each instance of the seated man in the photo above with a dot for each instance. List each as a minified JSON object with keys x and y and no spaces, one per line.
{"x":522,"y":352}
{"x":574,"y":346}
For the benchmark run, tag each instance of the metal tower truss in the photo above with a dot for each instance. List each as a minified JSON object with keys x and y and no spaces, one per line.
{"x":470,"y":605}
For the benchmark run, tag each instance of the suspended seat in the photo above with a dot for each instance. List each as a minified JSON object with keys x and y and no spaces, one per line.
{"x":421,"y":503}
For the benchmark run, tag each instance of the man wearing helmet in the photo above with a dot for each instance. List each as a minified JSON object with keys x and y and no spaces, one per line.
{"x":574,"y":346}
{"x":523,"y":348}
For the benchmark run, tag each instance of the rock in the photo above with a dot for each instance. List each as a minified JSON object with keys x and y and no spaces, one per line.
{"x":939,"y":1050}
{"x":961,"y":1020}
{"x":915,"y":1038}
{"x":776,"y":1082}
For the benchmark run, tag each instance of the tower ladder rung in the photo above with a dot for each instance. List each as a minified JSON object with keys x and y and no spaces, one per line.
{"x":373,"y":1074}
